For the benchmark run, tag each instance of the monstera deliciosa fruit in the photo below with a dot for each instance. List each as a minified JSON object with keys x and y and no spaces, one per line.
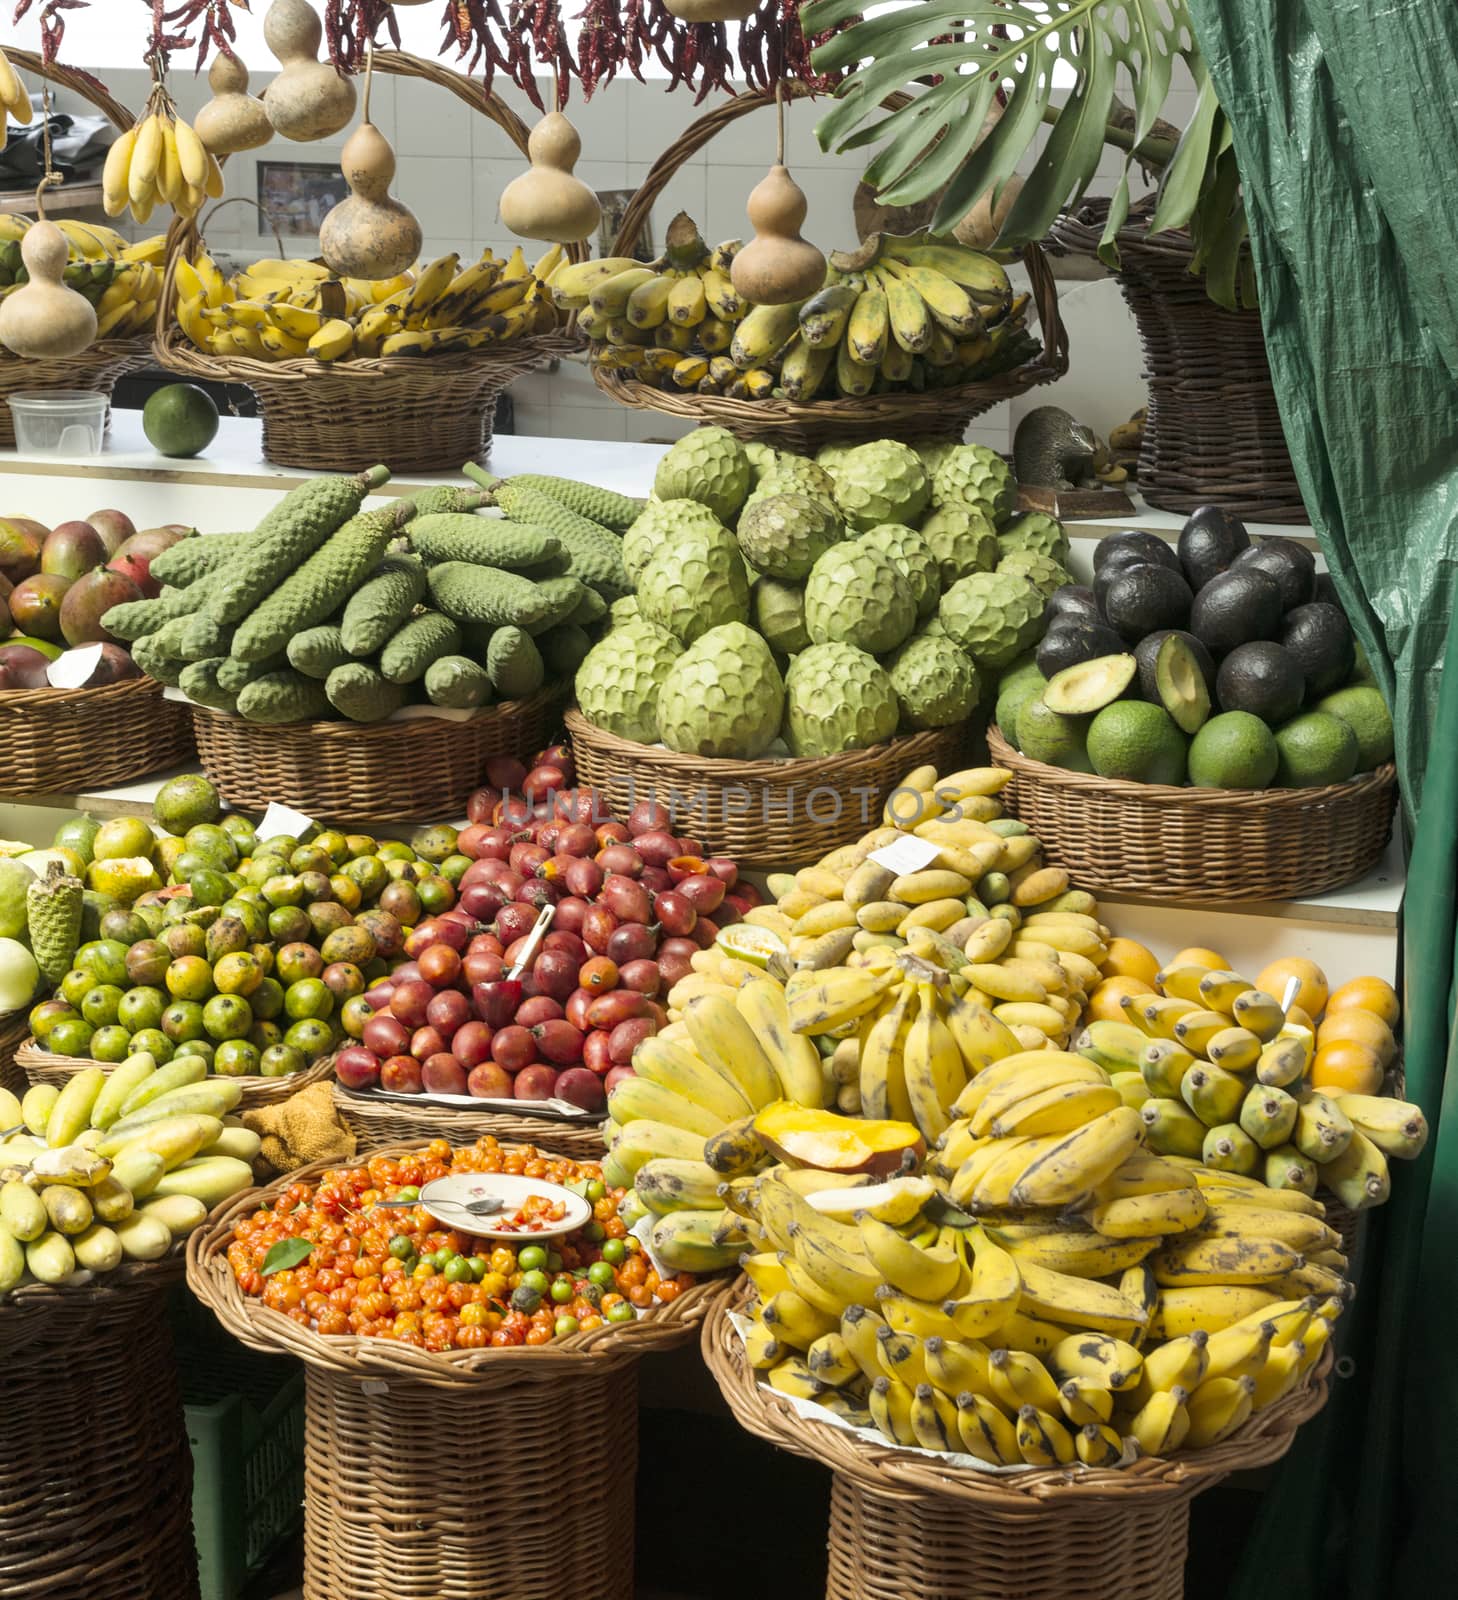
{"x":951,"y":57}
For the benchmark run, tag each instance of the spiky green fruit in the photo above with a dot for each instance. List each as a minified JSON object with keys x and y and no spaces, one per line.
{"x":855,"y":595}
{"x":723,"y":696}
{"x":974,"y":475}
{"x":883,"y":481}
{"x":708,"y":465}
{"x":992,"y":615}
{"x":695,"y":583}
{"x":619,"y":682}
{"x":661,"y":522}
{"x":837,"y":698}
{"x":913,"y":558}
{"x":935,"y":682}
{"x":779,"y":614}
{"x":784,"y":535}
{"x":962,"y":539}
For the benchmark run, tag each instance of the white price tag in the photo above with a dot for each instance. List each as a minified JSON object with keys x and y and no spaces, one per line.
{"x":71,"y":669}
{"x":374,"y":1387}
{"x":906,"y":854}
{"x":283,"y":819}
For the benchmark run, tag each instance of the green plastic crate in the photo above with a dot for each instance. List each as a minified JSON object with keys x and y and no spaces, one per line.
{"x":245,"y":1422}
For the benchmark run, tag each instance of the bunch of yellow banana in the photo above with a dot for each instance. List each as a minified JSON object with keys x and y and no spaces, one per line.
{"x":292,"y":310}
{"x":122,"y":281}
{"x":1023,"y":1344}
{"x":1222,"y":1073}
{"x":14,"y":99}
{"x":914,"y":312}
{"x":159,"y":158}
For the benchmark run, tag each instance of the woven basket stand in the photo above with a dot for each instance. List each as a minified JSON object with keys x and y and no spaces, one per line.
{"x":1201,"y":845}
{"x":418,"y":414}
{"x":14,"y":1030}
{"x":902,"y":1527}
{"x":389,"y":1514}
{"x":1213,"y":432}
{"x":767,"y":814}
{"x":96,"y":1471}
{"x":379,"y":1124}
{"x":806,"y":425}
{"x":40,"y":1066}
{"x":97,"y":368}
{"x":411,"y":767}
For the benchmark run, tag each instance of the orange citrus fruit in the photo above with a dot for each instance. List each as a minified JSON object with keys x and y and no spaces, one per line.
{"x":1311,"y":996}
{"x":1358,"y":1027}
{"x":1367,"y":994}
{"x":1346,"y":1068}
{"x":1103,"y":1003}
{"x":1198,"y":956}
{"x":1127,"y":958}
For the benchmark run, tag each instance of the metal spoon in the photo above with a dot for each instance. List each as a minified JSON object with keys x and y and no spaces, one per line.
{"x":476,"y":1208}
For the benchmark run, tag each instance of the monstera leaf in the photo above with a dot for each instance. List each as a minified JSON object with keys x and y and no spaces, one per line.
{"x":952,"y":58}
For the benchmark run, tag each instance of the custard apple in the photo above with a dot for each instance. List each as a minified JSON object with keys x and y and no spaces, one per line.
{"x":761,"y":458}
{"x":934,"y":451}
{"x":1043,"y":572}
{"x":934,"y":680}
{"x":992,"y":615}
{"x":779,"y":614}
{"x":962,"y":540}
{"x":837,"y":698}
{"x":784,"y":535}
{"x":660,"y":522}
{"x":1037,"y":532}
{"x":624,"y":610}
{"x":618,"y":682}
{"x":880,"y":482}
{"x":972,"y":474}
{"x":723,"y":696}
{"x":855,"y":595}
{"x":795,"y":475}
{"x":695,"y":583}
{"x":830,"y":456}
{"x":913,"y":559}
{"x":708,"y":465}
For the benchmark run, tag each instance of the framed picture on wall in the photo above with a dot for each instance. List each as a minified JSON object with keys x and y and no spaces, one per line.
{"x":298,"y":195}
{"x":615,"y":203}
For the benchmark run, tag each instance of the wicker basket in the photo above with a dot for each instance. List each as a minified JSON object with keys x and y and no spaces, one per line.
{"x":14,"y":1030}
{"x":387,"y":1513}
{"x":98,"y":367}
{"x":376,"y":1124}
{"x":767,"y":814}
{"x":1201,"y":845}
{"x":903,"y":1527}
{"x":805,"y":426}
{"x":416,"y":414}
{"x":95,"y":1475}
{"x":56,"y":741}
{"x":40,"y":1066}
{"x":1213,"y":433}
{"x":381,"y":772}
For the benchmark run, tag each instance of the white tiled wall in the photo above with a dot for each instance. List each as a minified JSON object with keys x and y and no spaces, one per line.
{"x":453,"y":164}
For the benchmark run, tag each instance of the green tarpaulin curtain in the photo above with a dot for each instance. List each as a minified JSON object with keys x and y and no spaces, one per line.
{"x":1345,"y":119}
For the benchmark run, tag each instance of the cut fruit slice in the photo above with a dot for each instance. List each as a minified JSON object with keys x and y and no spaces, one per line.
{"x":802,"y":1137}
{"x":1090,"y":686}
{"x":1181,"y":684}
{"x":897,"y":1201}
{"x":746,"y":942}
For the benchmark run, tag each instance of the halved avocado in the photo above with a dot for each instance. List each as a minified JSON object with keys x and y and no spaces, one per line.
{"x":1081,"y":690}
{"x":1181,"y":683}
{"x":1146,"y":653}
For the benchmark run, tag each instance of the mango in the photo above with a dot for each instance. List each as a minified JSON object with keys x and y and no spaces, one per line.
{"x":22,"y":1212}
{"x":179,"y":1071}
{"x":179,"y":1213}
{"x":50,"y":1258}
{"x":121,"y":1083}
{"x":143,"y":1238}
{"x":211,"y":1180}
{"x":98,"y":1249}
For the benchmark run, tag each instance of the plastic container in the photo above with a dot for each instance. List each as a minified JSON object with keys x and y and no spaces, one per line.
{"x":59,"y":422}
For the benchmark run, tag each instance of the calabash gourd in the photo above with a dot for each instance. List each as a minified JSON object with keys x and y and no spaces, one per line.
{"x":777,"y":266}
{"x":547,"y":202}
{"x":370,"y":234}
{"x":308,"y":100}
{"x":44,"y":319}
{"x":984,"y":222}
{"x":233,"y":119}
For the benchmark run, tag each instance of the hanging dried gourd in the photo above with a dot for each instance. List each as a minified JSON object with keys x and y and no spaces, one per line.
{"x":370,"y":234}
{"x":45,"y":318}
{"x":547,"y":202}
{"x":777,"y":267}
{"x":711,"y":10}
{"x":14,"y":101}
{"x":308,"y":99}
{"x":233,"y":120}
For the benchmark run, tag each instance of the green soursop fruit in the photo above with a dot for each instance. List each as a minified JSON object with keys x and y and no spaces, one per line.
{"x":913,"y":558}
{"x":761,"y":458}
{"x":779,"y":614}
{"x":963,"y":540}
{"x":696,"y":583}
{"x":660,"y":522}
{"x":53,"y":907}
{"x":992,"y":615}
{"x":971,"y":474}
{"x":855,"y":595}
{"x":837,"y":698}
{"x":708,"y":465}
{"x":618,"y":683}
{"x":880,"y":482}
{"x":935,"y":682}
{"x":795,"y":475}
{"x":1037,"y":532}
{"x":723,"y":696}
{"x":1043,"y":572}
{"x":784,"y":535}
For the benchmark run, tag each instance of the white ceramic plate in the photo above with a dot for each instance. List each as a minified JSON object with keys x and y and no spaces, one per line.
{"x":463,"y":1187}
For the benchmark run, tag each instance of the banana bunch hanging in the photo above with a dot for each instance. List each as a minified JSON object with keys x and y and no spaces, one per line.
{"x":14,"y":101}
{"x":159,"y":158}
